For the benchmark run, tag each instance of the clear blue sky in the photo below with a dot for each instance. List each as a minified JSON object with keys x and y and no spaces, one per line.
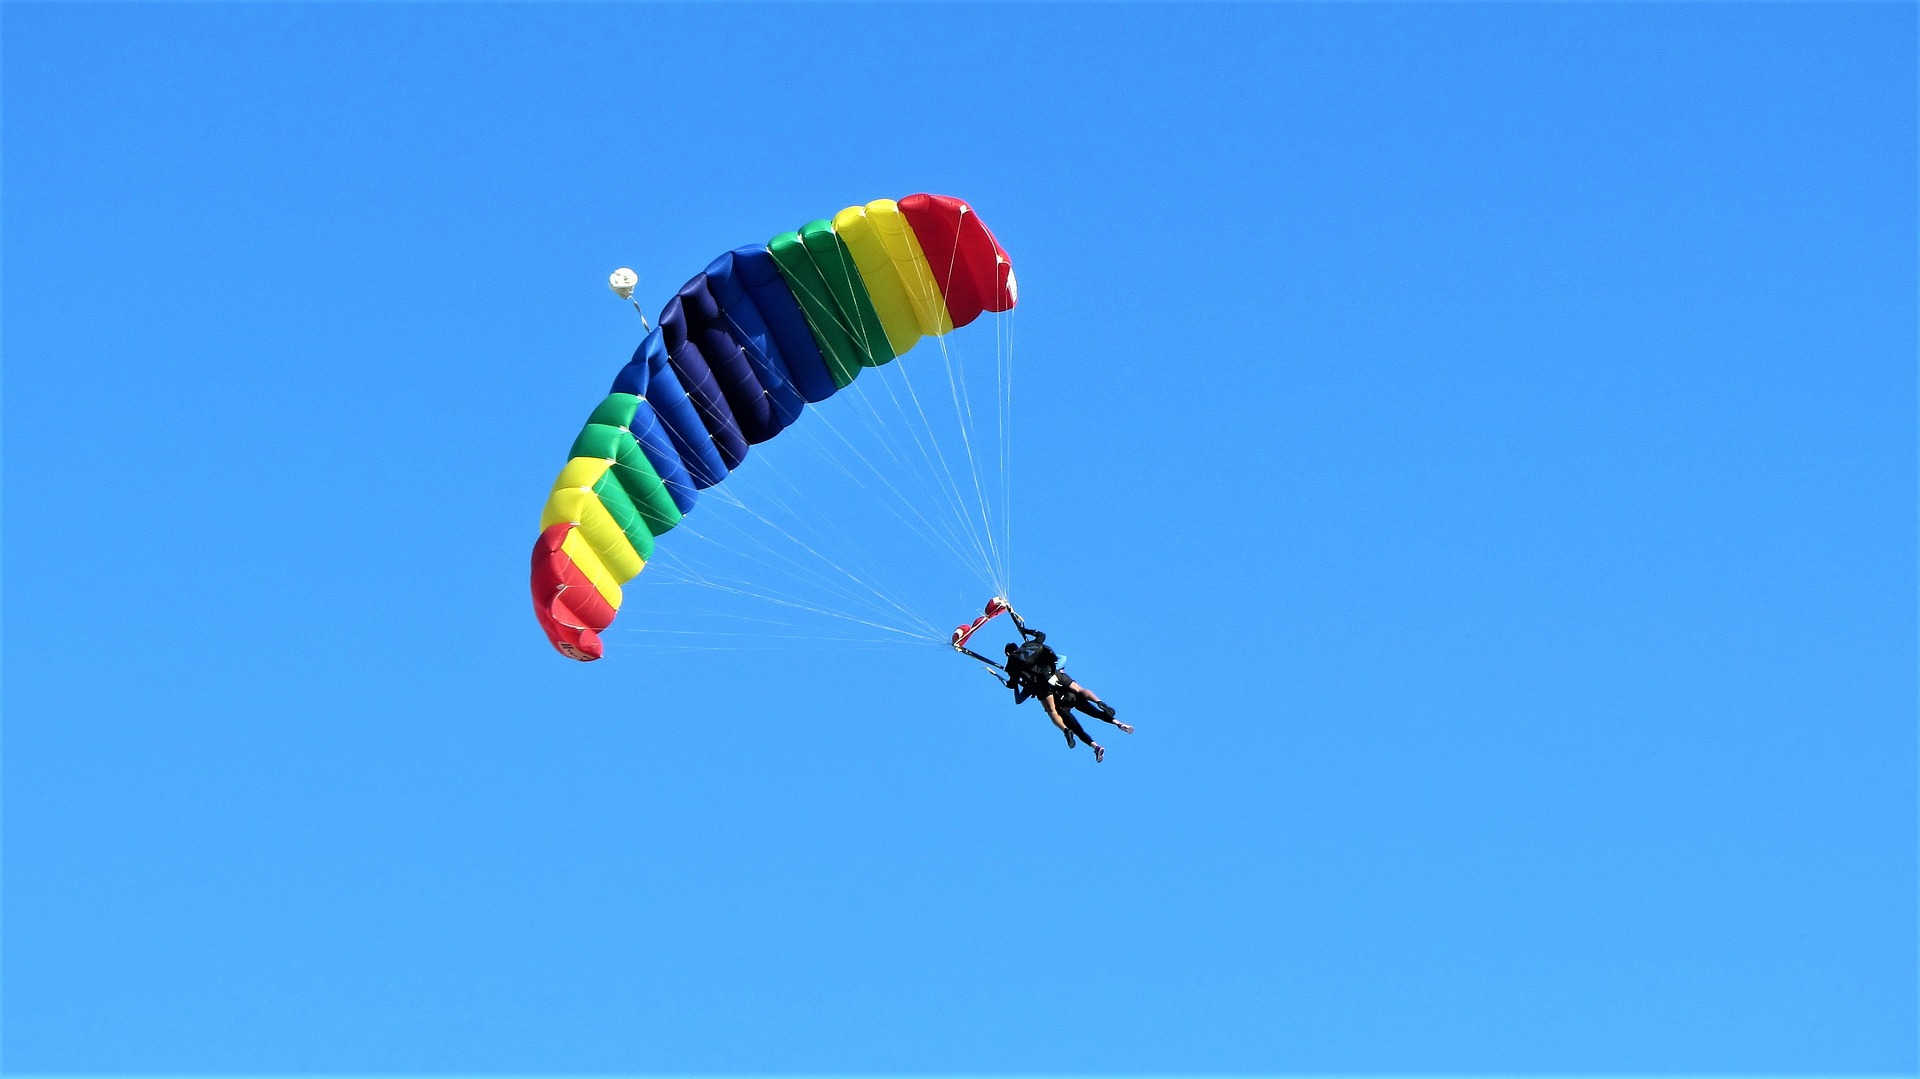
{"x":1476,"y":445}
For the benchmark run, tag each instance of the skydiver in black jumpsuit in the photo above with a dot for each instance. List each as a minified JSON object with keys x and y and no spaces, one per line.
{"x":1033,"y":670}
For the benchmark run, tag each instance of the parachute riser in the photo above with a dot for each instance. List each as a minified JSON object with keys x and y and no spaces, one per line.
{"x":978,"y":656}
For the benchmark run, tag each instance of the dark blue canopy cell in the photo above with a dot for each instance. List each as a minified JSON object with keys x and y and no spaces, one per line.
{"x":747,"y":283}
{"x":651,"y":377}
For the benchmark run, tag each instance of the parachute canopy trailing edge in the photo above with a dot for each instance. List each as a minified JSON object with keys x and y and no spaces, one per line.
{"x":735,"y":357}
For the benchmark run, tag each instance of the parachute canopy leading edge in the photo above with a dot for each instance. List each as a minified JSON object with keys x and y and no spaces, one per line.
{"x":736,"y":356}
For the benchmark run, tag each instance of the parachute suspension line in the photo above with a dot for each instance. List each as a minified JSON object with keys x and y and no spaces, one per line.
{"x":807,"y":573}
{"x":762,"y":644}
{"x":986,"y":548}
{"x":756,"y":643}
{"x":764,"y":636}
{"x":920,"y":526}
{"x":876,"y":424}
{"x":955,"y":386}
{"x":675,"y":577}
{"x":730,"y":640}
{"x":838,"y":540}
{"x":727,"y":497}
{"x":1003,"y":415}
{"x":840,"y":591}
{"x":1001,"y":360}
{"x":940,"y":473}
{"x":945,"y":472}
{"x":973,"y":465}
{"x":945,"y":478}
{"x":750,"y":635}
{"x":798,"y":605}
{"x":741,"y":589}
{"x":951,"y":488}
{"x":687,"y":574}
{"x":1006,"y":465}
{"x":769,"y":646}
{"x":730,"y":498}
{"x":930,"y":477}
{"x":946,"y":358}
{"x":925,"y":529}
{"x":1003,"y":386}
{"x":963,"y":416}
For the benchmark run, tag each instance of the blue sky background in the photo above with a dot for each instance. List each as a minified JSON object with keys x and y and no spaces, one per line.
{"x":1476,"y":445}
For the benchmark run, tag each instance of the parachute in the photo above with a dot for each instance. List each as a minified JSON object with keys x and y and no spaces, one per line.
{"x":734,"y":359}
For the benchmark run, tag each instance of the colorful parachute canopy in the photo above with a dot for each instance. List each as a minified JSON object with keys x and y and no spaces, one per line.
{"x":739,"y":352}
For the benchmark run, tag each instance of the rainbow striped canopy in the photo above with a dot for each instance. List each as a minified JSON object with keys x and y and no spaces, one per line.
{"x":738,"y":354}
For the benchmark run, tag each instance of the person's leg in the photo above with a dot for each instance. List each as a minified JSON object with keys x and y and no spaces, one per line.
{"x":1054,"y":714}
{"x":1073,"y":724}
{"x":1095,"y":707}
{"x":1069,"y":725}
{"x":1088,"y":700}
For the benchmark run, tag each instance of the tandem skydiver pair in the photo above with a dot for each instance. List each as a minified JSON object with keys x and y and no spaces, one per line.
{"x":1034,"y":669}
